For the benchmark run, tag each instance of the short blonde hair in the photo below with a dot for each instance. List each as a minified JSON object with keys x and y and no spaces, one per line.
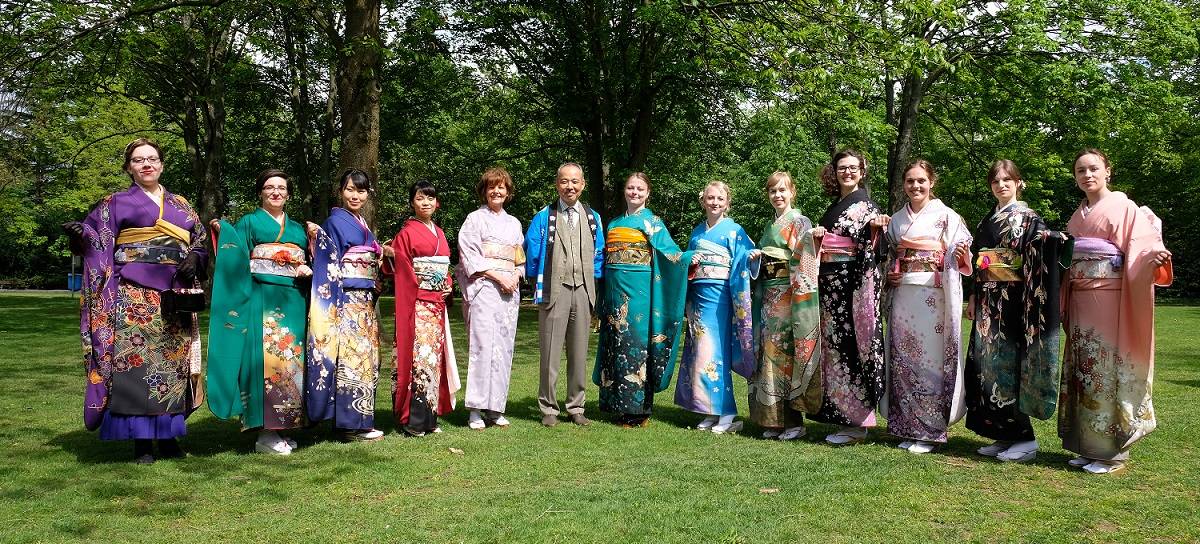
{"x":721,"y":185}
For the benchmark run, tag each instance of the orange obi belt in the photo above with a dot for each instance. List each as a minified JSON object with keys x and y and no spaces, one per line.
{"x":277,"y":259}
{"x":623,"y":245}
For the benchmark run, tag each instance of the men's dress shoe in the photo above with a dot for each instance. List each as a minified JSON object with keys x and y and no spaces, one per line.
{"x":549,"y":420}
{"x":580,"y":420}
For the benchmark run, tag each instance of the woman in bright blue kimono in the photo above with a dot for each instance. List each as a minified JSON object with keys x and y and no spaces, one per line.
{"x":719,"y":338}
{"x":641,"y":309}
{"x":342,"y":368}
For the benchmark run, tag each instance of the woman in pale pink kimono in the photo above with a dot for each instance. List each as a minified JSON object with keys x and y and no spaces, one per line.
{"x":929,"y":249}
{"x":490,"y":268}
{"x":1108,"y":316}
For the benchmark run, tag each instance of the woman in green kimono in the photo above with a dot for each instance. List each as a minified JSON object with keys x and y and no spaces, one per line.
{"x":259,"y":289}
{"x":786,"y":382}
{"x":641,"y":309}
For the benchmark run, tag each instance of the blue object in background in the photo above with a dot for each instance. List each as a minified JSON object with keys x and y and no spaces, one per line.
{"x":74,"y":282}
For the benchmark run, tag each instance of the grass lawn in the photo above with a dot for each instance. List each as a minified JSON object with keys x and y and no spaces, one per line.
{"x":527,"y":483}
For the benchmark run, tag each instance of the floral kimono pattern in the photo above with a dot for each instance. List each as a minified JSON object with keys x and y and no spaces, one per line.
{"x":1108,"y":364}
{"x":851,"y":330}
{"x":719,"y":338}
{"x":925,"y":390}
{"x":787,"y":324}
{"x":1013,"y":359}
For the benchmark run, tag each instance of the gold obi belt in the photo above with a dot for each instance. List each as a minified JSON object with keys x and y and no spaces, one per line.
{"x":624,"y":245}
{"x":277,"y":259}
{"x":917,"y":255}
{"x":158,"y":250}
{"x":713,"y":266}
{"x":836,"y":248}
{"x":1096,"y":258}
{"x":503,"y":256}
{"x":360,"y":262}
{"x":999,"y":264}
{"x":432,"y":272}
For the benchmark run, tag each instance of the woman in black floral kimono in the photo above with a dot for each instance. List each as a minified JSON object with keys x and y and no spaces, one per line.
{"x":1013,"y":358}
{"x":850,"y":284}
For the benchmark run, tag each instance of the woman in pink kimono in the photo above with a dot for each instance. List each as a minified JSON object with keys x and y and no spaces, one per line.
{"x":490,"y":267}
{"x":1108,"y":316}
{"x":930,"y":252}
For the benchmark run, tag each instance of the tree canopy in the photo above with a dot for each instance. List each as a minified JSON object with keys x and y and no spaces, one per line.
{"x":685,"y":90}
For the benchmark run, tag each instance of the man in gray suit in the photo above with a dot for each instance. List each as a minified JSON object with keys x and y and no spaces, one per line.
{"x":564,"y":251}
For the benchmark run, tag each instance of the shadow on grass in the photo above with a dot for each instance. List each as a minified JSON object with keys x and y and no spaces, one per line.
{"x":206,"y":437}
{"x":1185,"y":383}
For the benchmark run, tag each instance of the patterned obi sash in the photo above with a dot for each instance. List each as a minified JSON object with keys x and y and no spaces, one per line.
{"x":837,"y":249}
{"x":999,"y":264}
{"x":1096,"y":258}
{"x":774,"y":263}
{"x":276,"y":259}
{"x":158,"y":250}
{"x":431,"y":272}
{"x":503,"y":256}
{"x":919,"y":255}
{"x":361,"y":262}
{"x":624,"y":245}
{"x":715,"y":261}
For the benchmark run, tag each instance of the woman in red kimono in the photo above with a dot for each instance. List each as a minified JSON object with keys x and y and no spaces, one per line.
{"x":426,"y":375}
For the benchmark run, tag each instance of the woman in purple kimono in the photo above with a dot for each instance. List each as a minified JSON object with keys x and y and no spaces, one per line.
{"x":139,"y":248}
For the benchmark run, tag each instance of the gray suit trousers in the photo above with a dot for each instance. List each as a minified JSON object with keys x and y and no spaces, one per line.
{"x":565,"y":320}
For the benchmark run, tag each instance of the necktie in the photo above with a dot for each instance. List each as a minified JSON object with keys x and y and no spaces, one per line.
{"x":571,"y":215}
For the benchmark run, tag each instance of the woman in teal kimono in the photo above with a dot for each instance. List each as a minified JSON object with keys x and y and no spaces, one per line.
{"x":641,"y":310}
{"x":259,"y":289}
{"x":787,"y":318}
{"x":719,"y":338}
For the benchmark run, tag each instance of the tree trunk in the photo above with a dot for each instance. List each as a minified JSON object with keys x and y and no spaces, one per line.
{"x":596,"y":167}
{"x":359,"y":89}
{"x":911,"y":94}
{"x":295,"y":42}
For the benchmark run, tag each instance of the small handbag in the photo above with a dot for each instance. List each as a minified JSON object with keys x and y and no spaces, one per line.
{"x":185,"y":301}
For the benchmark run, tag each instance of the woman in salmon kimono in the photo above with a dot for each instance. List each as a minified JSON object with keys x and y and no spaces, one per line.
{"x":641,"y":310}
{"x":1108,"y":316}
{"x":719,"y":339}
{"x":1013,"y":359}
{"x":259,"y":312}
{"x":787,"y":318}
{"x":342,"y":364}
{"x":851,"y":330}
{"x":930,"y":252}
{"x":491,"y":263}
{"x":426,"y":375}
{"x":139,"y":248}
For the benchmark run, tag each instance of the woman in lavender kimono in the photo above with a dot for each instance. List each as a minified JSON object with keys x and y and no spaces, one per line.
{"x":930,"y":252}
{"x":259,"y":310}
{"x":851,"y":331}
{"x":719,"y":337}
{"x":1013,"y":358}
{"x":142,"y":363}
{"x":490,"y":268}
{"x":342,"y":365}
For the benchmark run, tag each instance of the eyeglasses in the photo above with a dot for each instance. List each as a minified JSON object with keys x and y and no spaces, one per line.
{"x":848,"y":169}
{"x":145,"y":160}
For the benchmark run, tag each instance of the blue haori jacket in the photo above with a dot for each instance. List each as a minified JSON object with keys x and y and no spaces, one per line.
{"x":539,"y":245}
